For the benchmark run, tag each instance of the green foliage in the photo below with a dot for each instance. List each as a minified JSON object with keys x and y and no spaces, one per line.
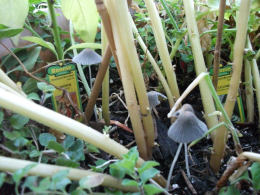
{"x":139,"y":176}
{"x":6,"y":32}
{"x":45,"y":138}
{"x":18,"y":121}
{"x":2,"y":179}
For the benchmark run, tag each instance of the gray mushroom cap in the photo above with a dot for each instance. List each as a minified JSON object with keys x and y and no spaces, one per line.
{"x":153,"y":97}
{"x":187,"y":127}
{"x":87,"y":57}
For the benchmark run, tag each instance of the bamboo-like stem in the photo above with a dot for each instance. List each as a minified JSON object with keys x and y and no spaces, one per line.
{"x":46,"y":170}
{"x":119,"y":12}
{"x":249,"y":92}
{"x":207,"y":100}
{"x":55,"y":29}
{"x":79,"y":67}
{"x":66,"y":125}
{"x":250,"y":156}
{"x":102,"y":10}
{"x":154,"y":64}
{"x":162,"y":47}
{"x":177,"y":44}
{"x":221,"y":135}
{"x":257,"y":55}
{"x":98,"y":83}
{"x":9,"y":82}
{"x":256,"y":80}
{"x":222,"y":6}
{"x":105,"y":84}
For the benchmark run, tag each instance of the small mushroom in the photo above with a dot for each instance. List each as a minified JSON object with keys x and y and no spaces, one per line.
{"x":87,"y":57}
{"x":187,"y":127}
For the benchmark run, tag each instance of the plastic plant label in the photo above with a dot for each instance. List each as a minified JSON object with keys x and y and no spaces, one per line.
{"x":65,"y":77}
{"x":224,"y":78}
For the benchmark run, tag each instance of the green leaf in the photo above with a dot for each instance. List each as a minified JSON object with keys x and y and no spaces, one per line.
{"x":13,"y":14}
{"x":6,"y":32}
{"x":33,"y":96}
{"x":30,"y":61}
{"x":34,"y":153}
{"x":68,"y":142}
{"x":129,"y":182}
{"x":92,"y":149}
{"x":148,"y":174}
{"x":18,"y":121}
{"x":20,"y":142}
{"x":117,"y":171}
{"x":83,"y":46}
{"x":151,"y":189}
{"x":45,"y":138}
{"x":12,"y":135}
{"x":30,"y":86}
{"x":55,"y":146}
{"x":66,"y":162}
{"x":79,"y":192}
{"x":60,"y":180}
{"x":84,"y":16}
{"x":230,"y":190}
{"x":20,"y":173}
{"x":42,"y":43}
{"x":91,"y":181}
{"x":1,"y":116}
{"x":147,"y":165}
{"x":255,"y":171}
{"x":45,"y":88}
{"x":2,"y":179}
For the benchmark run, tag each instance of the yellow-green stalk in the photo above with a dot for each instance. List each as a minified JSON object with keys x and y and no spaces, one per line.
{"x":9,"y":82}
{"x":256,"y":80}
{"x":46,"y":170}
{"x":162,"y":47}
{"x":208,"y":103}
{"x":249,"y":92}
{"x":126,"y":50}
{"x":154,"y":64}
{"x":221,"y":135}
{"x":105,"y":84}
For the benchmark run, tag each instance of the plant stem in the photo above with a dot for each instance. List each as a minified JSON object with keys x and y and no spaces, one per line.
{"x":174,"y":23}
{"x":177,"y":44}
{"x":55,"y":29}
{"x":222,"y":6}
{"x":207,"y":100}
{"x":28,"y":27}
{"x":256,"y":80}
{"x":215,"y":30}
{"x":46,"y":170}
{"x":221,"y":135}
{"x":162,"y":47}
{"x":154,"y":64}
{"x":79,"y":67}
{"x":249,"y":92}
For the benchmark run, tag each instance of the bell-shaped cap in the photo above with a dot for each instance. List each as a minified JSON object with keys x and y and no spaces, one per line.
{"x":187,"y":127}
{"x":87,"y":57}
{"x":153,"y":97}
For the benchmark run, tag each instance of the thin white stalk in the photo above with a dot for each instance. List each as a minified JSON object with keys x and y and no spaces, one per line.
{"x":251,"y":156}
{"x":173,"y":164}
{"x":187,"y":160}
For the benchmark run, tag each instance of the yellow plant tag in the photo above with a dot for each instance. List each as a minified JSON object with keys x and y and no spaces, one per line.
{"x":65,"y":77}
{"x":224,"y":78}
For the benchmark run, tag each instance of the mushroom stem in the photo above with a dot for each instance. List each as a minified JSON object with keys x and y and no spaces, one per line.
{"x":173,"y":164}
{"x":187,"y":160}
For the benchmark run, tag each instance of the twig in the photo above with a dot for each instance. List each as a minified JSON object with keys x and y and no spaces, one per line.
{"x":217,"y":51}
{"x":187,"y":181}
{"x":98,"y":84}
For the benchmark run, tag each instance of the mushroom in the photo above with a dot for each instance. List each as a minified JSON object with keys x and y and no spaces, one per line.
{"x":87,"y":57}
{"x":185,"y":129}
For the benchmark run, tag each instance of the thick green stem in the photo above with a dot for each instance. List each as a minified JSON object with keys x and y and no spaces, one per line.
{"x":221,"y":136}
{"x":55,"y":29}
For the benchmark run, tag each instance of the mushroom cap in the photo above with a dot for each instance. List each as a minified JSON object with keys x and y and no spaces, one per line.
{"x":187,"y":127}
{"x":87,"y":57}
{"x":153,"y":97}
